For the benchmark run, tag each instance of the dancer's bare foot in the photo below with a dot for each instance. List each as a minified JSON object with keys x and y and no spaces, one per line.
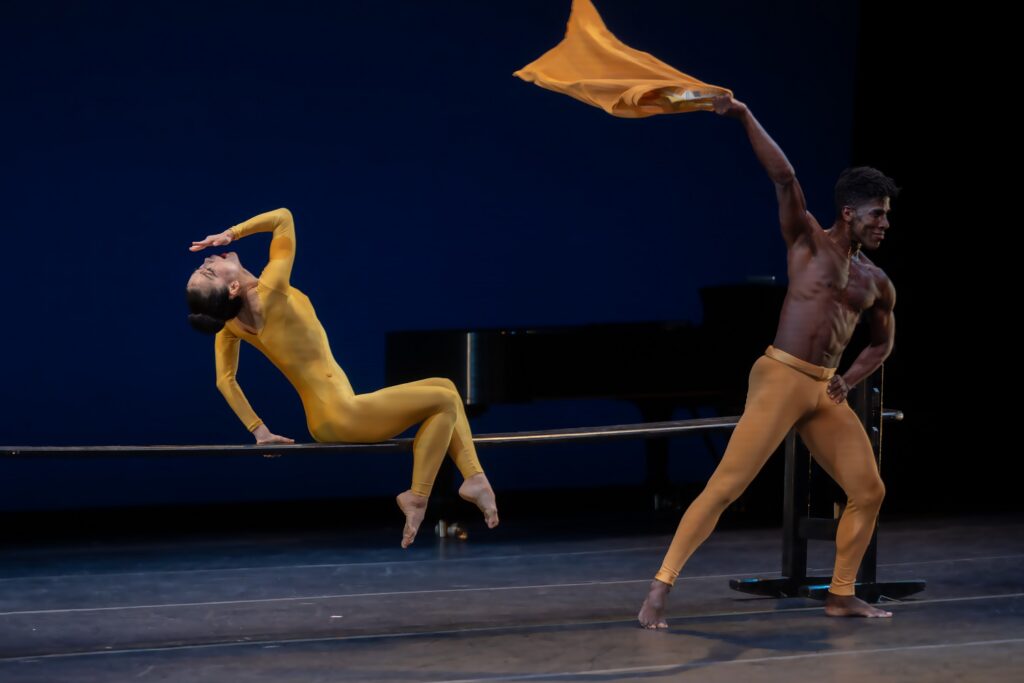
{"x":851,"y":606}
{"x":414,"y":507}
{"x":477,"y":490}
{"x":654,"y":606}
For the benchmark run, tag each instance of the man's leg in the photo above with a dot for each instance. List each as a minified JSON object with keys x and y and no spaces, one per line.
{"x":777,"y":397}
{"x":837,"y":440}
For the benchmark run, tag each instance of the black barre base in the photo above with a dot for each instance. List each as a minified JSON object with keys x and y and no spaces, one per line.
{"x":816,"y":588}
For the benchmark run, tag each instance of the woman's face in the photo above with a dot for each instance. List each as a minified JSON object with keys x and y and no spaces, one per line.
{"x":219,"y":270}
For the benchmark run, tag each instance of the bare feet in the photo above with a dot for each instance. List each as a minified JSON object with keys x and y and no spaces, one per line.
{"x":477,"y":490}
{"x":414,"y":507}
{"x":654,"y":606}
{"x":851,"y":606}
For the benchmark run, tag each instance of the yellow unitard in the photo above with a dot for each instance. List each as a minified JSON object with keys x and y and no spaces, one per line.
{"x":295,"y":342}
{"x":786,"y":392}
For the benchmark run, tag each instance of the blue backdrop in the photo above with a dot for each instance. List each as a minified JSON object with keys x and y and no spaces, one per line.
{"x":430,"y":188}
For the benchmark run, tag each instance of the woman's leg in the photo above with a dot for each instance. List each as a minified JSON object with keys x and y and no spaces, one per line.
{"x":461,"y":449}
{"x":476,"y":488}
{"x":383,"y":414}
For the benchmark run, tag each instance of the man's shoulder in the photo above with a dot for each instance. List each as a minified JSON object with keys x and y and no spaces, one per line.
{"x":882,"y":284}
{"x":882,"y":276}
{"x":875,"y":270}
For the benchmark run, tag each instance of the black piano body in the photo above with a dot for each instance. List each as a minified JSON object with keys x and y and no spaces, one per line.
{"x":659,"y":366}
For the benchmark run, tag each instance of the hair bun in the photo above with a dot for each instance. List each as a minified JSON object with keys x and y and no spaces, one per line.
{"x":205,"y":323}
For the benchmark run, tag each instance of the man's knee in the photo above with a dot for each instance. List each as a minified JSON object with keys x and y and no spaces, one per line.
{"x":878,"y":493}
{"x":722,"y":494}
{"x":871,"y":496}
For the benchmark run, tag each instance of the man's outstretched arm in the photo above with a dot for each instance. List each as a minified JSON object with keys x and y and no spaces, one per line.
{"x":793,"y":216}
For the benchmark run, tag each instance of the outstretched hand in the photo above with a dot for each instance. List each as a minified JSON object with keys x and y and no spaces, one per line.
{"x":725,"y":105}
{"x":218,"y":240}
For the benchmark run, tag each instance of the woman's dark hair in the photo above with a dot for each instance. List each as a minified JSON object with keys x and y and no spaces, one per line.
{"x":861,"y":184}
{"x":211,"y":309}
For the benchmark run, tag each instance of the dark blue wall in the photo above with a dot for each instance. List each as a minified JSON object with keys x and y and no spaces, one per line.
{"x":430,"y":188}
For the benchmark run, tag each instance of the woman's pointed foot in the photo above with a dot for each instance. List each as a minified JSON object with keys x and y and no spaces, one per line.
{"x":414,"y":507}
{"x":477,"y":490}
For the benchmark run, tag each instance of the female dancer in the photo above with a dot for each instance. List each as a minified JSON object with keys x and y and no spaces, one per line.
{"x":227,"y":300}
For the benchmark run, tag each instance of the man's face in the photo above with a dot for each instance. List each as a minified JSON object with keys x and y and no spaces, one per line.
{"x":869,"y":221}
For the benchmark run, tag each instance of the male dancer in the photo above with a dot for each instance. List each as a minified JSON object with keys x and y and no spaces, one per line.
{"x":831,"y":285}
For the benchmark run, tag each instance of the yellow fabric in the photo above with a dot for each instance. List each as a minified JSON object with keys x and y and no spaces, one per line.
{"x":595,"y":67}
{"x":783,"y":394}
{"x":809,"y":369}
{"x":293,"y":339}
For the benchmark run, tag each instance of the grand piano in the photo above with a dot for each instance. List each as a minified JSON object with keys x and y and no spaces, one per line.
{"x":657,"y":365}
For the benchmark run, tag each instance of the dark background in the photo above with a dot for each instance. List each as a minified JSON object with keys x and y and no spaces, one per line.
{"x":433,"y":190}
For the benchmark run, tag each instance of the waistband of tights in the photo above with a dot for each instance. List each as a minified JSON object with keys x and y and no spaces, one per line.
{"x":810,"y":369}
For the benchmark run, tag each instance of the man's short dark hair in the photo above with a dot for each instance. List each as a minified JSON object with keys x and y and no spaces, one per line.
{"x":861,"y":184}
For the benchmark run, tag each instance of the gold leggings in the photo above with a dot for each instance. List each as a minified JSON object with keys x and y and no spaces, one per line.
{"x":784,"y":392}
{"x":383,"y":414}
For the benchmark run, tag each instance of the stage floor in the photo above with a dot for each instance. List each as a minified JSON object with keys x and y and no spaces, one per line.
{"x":516,"y":604}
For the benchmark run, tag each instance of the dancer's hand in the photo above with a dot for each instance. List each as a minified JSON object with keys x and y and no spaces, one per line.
{"x":265,"y":436}
{"x":218,"y":240}
{"x":725,"y":105}
{"x":838,"y":389}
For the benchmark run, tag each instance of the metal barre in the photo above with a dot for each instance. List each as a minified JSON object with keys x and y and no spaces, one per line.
{"x":641,"y":430}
